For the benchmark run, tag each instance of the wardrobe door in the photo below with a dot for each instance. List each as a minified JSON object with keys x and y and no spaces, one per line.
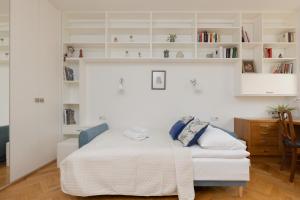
{"x":35,"y":87}
{"x":49,"y":86}
{"x":24,"y":144}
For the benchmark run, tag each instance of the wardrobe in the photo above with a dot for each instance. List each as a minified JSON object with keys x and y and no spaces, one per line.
{"x":34,"y":85}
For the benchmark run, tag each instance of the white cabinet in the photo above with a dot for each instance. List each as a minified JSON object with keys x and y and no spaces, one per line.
{"x":34,"y":75}
{"x":268,"y":85}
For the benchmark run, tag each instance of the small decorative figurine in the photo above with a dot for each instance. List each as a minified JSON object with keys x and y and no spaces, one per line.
{"x":70,"y":51}
{"x":172,"y":37}
{"x":166,"y":53}
{"x":131,"y":38}
{"x":115,"y":39}
{"x":65,"y":56}
{"x":140,"y":54}
{"x":216,"y":54}
{"x":179,"y":54}
{"x":210,"y":55}
{"x":127,"y":53}
{"x":80,"y":53}
{"x":2,"y":40}
{"x":280,"y":55}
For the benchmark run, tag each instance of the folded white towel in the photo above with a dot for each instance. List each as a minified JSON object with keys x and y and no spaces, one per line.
{"x":136,"y":133}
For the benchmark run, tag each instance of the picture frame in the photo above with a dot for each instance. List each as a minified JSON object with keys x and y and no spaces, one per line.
{"x":248,"y":66}
{"x":158,"y":80}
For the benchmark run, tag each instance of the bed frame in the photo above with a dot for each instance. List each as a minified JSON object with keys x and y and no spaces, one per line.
{"x":239,"y":184}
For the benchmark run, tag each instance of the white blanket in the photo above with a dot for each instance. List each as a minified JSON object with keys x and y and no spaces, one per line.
{"x":112,"y":164}
{"x":198,"y":152}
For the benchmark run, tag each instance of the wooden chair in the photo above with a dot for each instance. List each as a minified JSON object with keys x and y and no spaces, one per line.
{"x":289,"y":140}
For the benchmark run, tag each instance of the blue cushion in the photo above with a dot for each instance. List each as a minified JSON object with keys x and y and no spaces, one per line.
{"x":225,"y":130}
{"x":289,"y":143}
{"x":176,"y":129}
{"x":179,"y":126}
{"x":4,"y":138}
{"x":192,"y":132}
{"x":88,"y":135}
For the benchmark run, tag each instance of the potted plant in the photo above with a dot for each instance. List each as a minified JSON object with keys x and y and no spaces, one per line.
{"x":172,"y":37}
{"x":274,"y":110}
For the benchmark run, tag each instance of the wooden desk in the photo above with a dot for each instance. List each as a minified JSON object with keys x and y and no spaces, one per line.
{"x":262,"y":135}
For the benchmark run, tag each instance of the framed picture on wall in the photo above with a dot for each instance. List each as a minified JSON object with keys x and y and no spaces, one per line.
{"x":158,"y":81}
{"x":248,"y":66}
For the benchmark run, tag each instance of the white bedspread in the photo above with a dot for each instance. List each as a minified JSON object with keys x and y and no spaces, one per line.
{"x":114,"y":164}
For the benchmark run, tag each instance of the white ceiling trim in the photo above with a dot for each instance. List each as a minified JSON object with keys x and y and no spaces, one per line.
{"x":199,"y":5}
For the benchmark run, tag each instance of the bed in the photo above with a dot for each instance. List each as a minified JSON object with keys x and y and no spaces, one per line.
{"x":112,"y":164}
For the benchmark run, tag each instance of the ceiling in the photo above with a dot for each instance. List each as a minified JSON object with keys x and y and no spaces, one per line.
{"x":245,"y":5}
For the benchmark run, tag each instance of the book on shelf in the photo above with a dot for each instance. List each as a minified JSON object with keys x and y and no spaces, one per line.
{"x":208,"y":37}
{"x":69,"y":117}
{"x":245,"y":36}
{"x":283,"y":68}
{"x":69,"y":74}
{"x":230,"y":52}
{"x":287,"y":37}
{"x":268,"y":52}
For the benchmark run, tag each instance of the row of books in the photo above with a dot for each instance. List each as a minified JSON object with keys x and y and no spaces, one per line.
{"x":284,"y":68}
{"x":208,"y":37}
{"x":245,"y":36}
{"x":69,"y":74}
{"x":228,"y":52}
{"x":69,"y":117}
{"x":287,"y":37}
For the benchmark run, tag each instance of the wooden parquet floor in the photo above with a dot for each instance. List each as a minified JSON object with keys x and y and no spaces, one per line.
{"x":267,"y":183}
{"x":4,"y":174}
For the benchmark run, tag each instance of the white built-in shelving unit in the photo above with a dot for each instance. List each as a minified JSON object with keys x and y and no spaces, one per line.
{"x":265,"y":31}
{"x":118,"y":37}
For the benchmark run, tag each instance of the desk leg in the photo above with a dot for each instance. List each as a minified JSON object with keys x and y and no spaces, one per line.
{"x":241,"y":189}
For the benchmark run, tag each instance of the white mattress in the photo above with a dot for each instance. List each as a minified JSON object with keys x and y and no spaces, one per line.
{"x":218,"y":169}
{"x":198,"y":152}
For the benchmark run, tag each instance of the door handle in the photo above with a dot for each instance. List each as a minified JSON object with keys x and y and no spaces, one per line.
{"x":39,"y":100}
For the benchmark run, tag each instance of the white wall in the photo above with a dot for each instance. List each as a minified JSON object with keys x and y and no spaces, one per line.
{"x":139,"y":105}
{"x":4,"y":95}
{"x":297,"y":103}
{"x":35,"y":64}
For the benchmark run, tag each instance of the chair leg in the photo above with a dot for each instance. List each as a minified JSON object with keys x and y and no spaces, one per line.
{"x":293,"y":164}
{"x":283,"y":157}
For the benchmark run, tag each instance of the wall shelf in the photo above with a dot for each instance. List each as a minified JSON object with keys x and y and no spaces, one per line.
{"x":142,"y":37}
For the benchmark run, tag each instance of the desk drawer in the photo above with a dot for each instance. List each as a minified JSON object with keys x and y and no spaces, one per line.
{"x":264,"y":134}
{"x":265,"y":150}
{"x":267,"y":129}
{"x":265,"y":141}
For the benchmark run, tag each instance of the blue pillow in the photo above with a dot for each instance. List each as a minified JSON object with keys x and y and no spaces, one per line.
{"x":176,"y":129}
{"x":179,"y":126}
{"x":192,"y":132}
{"x":88,"y":135}
{"x":225,"y":130}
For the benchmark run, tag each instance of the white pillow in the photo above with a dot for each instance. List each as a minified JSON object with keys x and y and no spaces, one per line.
{"x":217,"y":139}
